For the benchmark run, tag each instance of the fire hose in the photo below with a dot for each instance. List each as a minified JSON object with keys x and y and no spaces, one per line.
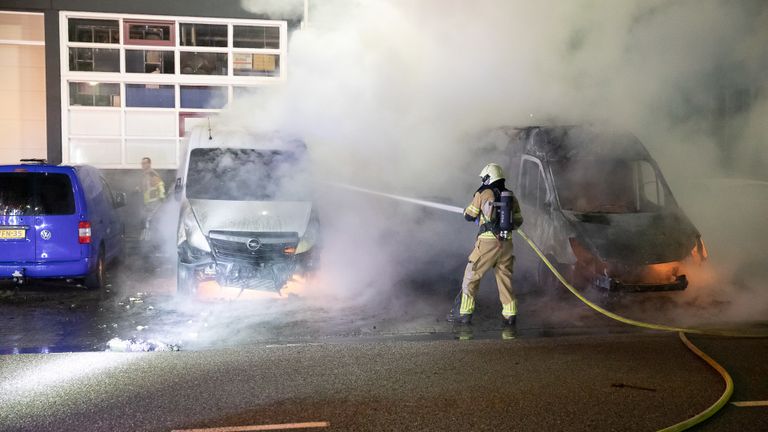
{"x":681,"y":331}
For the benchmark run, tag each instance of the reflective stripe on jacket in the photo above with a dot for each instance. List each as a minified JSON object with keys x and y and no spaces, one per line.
{"x":153,"y":187}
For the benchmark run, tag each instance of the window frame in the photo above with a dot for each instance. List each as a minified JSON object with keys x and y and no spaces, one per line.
{"x":176,"y":78}
{"x":641,"y":182}
{"x":127,"y":40}
{"x":144,"y":49}
{"x":523,"y":185}
{"x":228,"y":29}
{"x":101,"y":44}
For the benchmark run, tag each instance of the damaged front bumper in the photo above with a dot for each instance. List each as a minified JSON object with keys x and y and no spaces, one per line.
{"x":269,"y":273}
{"x":613,"y":284}
{"x":631,"y":277}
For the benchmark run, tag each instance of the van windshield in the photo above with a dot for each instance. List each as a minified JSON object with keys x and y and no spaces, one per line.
{"x":609,"y":186}
{"x":35,"y":194}
{"x":236,"y":174}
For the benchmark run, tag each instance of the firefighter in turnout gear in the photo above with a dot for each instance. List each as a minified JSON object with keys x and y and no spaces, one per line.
{"x":496,"y":210}
{"x":152,"y":189}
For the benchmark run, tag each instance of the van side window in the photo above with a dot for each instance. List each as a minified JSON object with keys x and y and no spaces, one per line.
{"x":541,"y":193}
{"x":650,"y":190}
{"x":533,"y":188}
{"x":107,"y":191}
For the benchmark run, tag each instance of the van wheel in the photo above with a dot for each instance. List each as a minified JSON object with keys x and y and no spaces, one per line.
{"x":186,"y":283}
{"x":97,"y":279}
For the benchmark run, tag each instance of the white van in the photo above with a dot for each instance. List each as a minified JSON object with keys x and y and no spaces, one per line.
{"x":246,"y":219}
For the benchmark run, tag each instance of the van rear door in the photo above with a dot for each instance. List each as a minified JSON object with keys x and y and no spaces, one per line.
{"x":17,"y":231}
{"x":58,"y":217}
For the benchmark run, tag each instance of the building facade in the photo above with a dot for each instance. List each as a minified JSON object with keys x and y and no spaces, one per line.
{"x":22,"y":86}
{"x":99,"y":83}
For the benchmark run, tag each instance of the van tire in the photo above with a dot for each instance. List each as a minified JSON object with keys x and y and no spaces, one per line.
{"x":186,"y":284}
{"x":97,"y":279}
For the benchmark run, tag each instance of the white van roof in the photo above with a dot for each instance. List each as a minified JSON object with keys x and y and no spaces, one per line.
{"x":202,"y":137}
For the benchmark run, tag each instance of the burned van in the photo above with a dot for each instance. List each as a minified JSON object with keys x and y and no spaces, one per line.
{"x":596,"y":203}
{"x":246,"y":219}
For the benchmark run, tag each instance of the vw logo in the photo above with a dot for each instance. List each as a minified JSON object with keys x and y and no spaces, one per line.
{"x":45,"y":234}
{"x":253,"y":244}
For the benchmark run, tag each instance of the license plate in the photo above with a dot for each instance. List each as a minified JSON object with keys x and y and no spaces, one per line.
{"x":12,"y":234}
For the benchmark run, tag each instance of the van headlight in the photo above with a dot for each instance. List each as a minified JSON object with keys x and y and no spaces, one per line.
{"x":699,"y":252}
{"x":192,"y":232}
{"x":311,"y":235}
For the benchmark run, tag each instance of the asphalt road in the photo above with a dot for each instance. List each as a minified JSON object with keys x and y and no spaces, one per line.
{"x":376,"y":355}
{"x":618,"y":382}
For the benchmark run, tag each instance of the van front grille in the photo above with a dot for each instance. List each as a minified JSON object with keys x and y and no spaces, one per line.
{"x":253,"y":247}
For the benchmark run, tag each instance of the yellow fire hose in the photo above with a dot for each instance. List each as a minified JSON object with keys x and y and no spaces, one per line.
{"x":574,"y":291}
{"x":686,"y":424}
{"x":698,"y":418}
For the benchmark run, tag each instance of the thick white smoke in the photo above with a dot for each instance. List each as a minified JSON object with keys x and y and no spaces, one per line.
{"x":280,"y":8}
{"x":386,"y":92}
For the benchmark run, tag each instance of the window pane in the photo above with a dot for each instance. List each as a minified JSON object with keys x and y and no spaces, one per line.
{"x":95,"y":151}
{"x":94,"y":60}
{"x":162,"y":152}
{"x":150,"y":95}
{"x":530,"y":182}
{"x":151,"y":123}
{"x":95,"y":122}
{"x":256,"y":64}
{"x":94,"y":30}
{"x":94,"y":94}
{"x":203,"y":35}
{"x":191,"y":120}
{"x":145,"y":61}
{"x":651,"y":190}
{"x":244,"y":174}
{"x":196,"y":63}
{"x":203,"y":97}
{"x":149,"y":31}
{"x":29,"y":194}
{"x":244,"y":92}
{"x":256,"y":37}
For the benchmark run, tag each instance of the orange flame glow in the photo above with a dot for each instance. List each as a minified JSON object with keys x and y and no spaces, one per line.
{"x":211,"y":290}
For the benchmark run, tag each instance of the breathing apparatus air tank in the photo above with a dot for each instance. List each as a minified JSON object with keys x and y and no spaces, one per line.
{"x":504,"y":205}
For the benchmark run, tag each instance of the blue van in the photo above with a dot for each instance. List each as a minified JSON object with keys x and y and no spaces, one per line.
{"x":58,"y":222}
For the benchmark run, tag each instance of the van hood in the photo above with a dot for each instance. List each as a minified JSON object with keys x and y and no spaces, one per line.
{"x":252,"y":216}
{"x":635,"y":238}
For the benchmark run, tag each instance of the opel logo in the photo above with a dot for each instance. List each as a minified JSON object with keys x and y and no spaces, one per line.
{"x":253,"y":244}
{"x":45,"y":235}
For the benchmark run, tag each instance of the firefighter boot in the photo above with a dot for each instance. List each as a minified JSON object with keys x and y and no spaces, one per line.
{"x":455,"y":316}
{"x":510,"y":321}
{"x":458,"y":318}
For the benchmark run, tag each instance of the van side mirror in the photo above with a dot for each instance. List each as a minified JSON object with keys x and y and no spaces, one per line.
{"x":119,"y":199}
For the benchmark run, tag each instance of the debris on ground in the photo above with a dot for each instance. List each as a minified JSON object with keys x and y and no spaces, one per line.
{"x":139,"y":345}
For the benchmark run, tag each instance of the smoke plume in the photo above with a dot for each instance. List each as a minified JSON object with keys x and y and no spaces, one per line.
{"x":387,"y":95}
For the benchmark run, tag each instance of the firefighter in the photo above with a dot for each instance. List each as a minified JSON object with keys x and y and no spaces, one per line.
{"x":152,"y":189}
{"x":493,"y":247}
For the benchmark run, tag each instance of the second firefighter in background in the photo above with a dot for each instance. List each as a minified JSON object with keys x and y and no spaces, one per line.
{"x":152,"y":189}
{"x":493,"y":248}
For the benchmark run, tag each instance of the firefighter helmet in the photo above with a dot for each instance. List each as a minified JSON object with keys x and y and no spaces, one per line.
{"x":491,"y":173}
